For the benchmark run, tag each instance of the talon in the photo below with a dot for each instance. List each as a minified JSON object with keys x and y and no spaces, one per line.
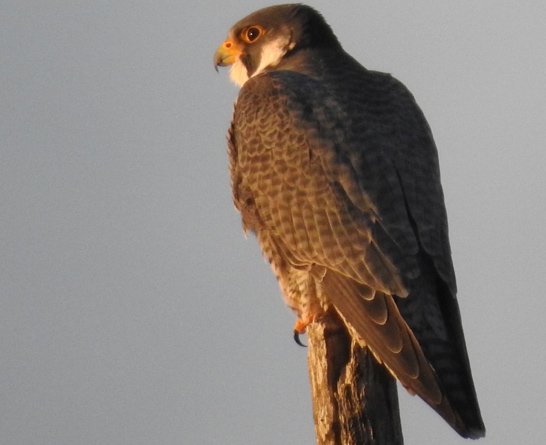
{"x":297,"y":339}
{"x":299,"y":328}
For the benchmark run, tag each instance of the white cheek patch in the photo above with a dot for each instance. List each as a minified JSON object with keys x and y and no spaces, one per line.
{"x":271,"y":55}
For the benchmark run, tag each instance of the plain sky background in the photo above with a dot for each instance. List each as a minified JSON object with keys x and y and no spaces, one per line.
{"x":132,"y":309}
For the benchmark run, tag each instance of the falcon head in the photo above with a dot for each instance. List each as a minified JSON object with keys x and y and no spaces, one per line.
{"x":271,"y":37}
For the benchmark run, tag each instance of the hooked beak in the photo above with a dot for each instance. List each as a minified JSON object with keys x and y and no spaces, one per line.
{"x":227,"y":54}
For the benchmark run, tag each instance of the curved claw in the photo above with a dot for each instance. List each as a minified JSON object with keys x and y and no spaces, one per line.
{"x":297,"y":339}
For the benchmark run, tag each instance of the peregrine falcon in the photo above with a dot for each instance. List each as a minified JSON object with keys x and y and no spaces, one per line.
{"x":335,"y":170}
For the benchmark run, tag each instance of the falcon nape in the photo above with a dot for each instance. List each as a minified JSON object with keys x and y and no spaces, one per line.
{"x":335,"y":170}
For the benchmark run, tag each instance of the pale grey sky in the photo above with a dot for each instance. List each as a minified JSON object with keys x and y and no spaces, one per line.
{"x":132,"y":309}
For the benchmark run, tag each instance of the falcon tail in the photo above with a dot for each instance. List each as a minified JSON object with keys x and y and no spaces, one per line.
{"x":373,"y":318}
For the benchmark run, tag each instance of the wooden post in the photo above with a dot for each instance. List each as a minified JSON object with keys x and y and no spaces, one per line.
{"x":354,"y":398}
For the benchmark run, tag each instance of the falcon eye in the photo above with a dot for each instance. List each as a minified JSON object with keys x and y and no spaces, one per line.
{"x":252,"y":33}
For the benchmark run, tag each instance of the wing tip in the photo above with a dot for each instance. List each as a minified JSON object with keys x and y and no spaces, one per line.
{"x":473,"y":432}
{"x":469,"y":426}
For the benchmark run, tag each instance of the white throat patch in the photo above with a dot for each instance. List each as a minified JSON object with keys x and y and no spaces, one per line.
{"x":238,"y":73}
{"x":271,"y":55}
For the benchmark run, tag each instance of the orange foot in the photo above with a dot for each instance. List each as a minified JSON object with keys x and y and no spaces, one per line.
{"x":300,"y":327}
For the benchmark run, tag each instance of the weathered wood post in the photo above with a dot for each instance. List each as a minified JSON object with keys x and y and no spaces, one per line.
{"x":354,"y":398}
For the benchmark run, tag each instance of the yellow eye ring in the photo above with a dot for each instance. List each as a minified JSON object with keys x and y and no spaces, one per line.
{"x":252,"y":33}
